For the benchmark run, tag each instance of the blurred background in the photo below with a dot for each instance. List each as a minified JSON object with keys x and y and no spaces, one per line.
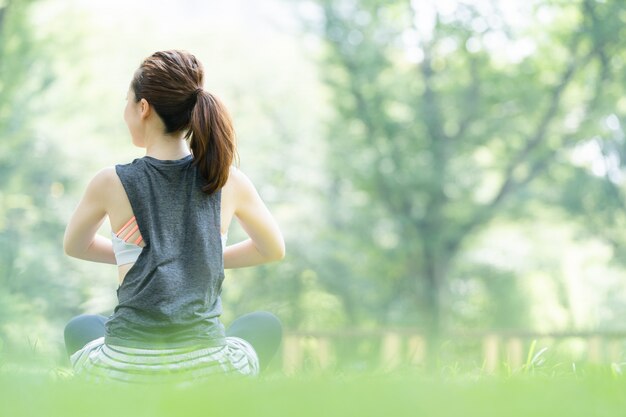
{"x":448,"y":175}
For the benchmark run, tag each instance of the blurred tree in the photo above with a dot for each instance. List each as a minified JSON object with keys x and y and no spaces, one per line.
{"x":31,"y":183}
{"x":445,"y":119}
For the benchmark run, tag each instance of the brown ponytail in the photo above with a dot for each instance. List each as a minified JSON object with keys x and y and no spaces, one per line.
{"x":171,"y":81}
{"x":212,"y":140}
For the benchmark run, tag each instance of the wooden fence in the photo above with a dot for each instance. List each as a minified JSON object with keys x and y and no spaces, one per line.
{"x":404,"y":346}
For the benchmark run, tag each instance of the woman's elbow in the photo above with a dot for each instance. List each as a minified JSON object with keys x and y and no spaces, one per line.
{"x":279,"y":252}
{"x":68,"y":248}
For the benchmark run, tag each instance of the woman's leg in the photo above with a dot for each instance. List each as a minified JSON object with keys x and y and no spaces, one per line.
{"x":264,"y":332}
{"x":83,"y":329}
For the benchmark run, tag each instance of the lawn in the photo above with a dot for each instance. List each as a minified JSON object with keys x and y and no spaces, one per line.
{"x":597,"y":391}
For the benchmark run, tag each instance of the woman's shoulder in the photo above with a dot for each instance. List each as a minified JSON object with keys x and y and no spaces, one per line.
{"x":238,"y":180}
{"x":240,"y":189}
{"x":234,"y":174}
{"x":101,"y":186}
{"x":105,"y":178}
{"x":107,"y":173}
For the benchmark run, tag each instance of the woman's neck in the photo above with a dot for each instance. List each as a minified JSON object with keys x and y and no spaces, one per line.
{"x":167,"y":148}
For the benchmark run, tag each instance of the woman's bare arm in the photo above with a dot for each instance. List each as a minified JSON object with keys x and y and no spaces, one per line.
{"x":81,"y":239}
{"x":266,"y":243}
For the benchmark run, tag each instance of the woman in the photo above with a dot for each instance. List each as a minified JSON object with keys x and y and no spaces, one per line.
{"x":169,"y":213}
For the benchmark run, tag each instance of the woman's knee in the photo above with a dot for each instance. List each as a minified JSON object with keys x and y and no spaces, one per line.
{"x":83,"y":320}
{"x":82,"y":329}
{"x":257,"y":325}
{"x":264,"y":319}
{"x":84,"y":326}
{"x":271,"y":322}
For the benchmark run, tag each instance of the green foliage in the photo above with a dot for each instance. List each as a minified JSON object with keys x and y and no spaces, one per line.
{"x":443,"y":125}
{"x":484,"y":296}
{"x":32,"y":184}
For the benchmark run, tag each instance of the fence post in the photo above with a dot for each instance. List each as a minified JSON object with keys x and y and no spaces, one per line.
{"x":323,"y":352}
{"x":615,"y":351}
{"x":416,"y":350}
{"x":490,"y":352}
{"x":514,"y":353}
{"x":391,"y":351}
{"x":292,"y":354}
{"x":594,"y":349}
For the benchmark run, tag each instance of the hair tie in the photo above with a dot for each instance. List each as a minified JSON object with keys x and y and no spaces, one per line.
{"x":198,"y":91}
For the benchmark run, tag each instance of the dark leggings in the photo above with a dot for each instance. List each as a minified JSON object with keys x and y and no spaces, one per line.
{"x":261,"y":329}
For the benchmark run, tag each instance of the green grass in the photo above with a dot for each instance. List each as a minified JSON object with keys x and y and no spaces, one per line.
{"x":596,"y":391}
{"x":546,"y":384}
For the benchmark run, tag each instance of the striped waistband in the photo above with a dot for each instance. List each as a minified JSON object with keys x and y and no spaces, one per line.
{"x":99,"y":361}
{"x":213,"y":340}
{"x":159,"y":356}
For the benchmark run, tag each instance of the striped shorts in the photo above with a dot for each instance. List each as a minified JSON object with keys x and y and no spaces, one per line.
{"x":99,"y":362}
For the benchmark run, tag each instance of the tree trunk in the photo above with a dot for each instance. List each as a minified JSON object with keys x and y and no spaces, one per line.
{"x":434,"y":274}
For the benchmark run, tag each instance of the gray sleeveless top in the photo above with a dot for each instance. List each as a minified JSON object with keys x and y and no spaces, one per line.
{"x":170,"y":297}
